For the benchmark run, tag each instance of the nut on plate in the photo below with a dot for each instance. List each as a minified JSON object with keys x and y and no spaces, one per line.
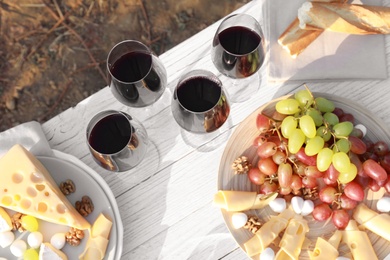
{"x":17,"y":222}
{"x":241,"y":165}
{"x":74,"y":236}
{"x":85,"y":206}
{"x":67,"y":187}
{"x":253,"y":224}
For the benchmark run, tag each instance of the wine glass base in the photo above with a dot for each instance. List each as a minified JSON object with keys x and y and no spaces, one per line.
{"x":209,"y":141}
{"x":241,"y":90}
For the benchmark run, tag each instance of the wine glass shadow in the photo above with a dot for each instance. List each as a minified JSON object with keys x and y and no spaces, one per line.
{"x":210,"y":141}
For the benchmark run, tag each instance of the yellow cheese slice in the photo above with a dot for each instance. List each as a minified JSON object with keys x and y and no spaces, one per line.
{"x":5,"y":221}
{"x":268,"y":232}
{"x":326,"y":250}
{"x":293,"y":238}
{"x":98,"y":241}
{"x":27,"y":187}
{"x":358,"y":242}
{"x":242,"y":200}
{"x":373,"y":221}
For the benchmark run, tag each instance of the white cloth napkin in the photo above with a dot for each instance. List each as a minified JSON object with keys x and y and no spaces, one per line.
{"x":331,"y":56}
{"x":30,"y":135}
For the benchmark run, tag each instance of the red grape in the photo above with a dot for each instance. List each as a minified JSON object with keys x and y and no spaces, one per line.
{"x":347,"y":203}
{"x":285,"y":190}
{"x":256,"y":176}
{"x":306,"y":159}
{"x":385,"y":162}
{"x":354,"y":191}
{"x":267,"y":166}
{"x":373,"y":185}
{"x":328,"y":194}
{"x":262,"y":123}
{"x":340,"y":218}
{"x":332,"y":174}
{"x":347,"y":117}
{"x":266,"y":149}
{"x":338,"y":112}
{"x":296,"y":182}
{"x":259,"y":140}
{"x":309,"y":182}
{"x":357,"y":145}
{"x":374,"y":170}
{"x":358,"y":163}
{"x":380,"y":148}
{"x":322,"y":212}
{"x":312,"y":171}
{"x":285,"y":175}
{"x":268,"y":187}
{"x":279,"y":157}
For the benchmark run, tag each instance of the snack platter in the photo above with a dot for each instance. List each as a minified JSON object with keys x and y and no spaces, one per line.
{"x":87,"y":182}
{"x":240,"y":143}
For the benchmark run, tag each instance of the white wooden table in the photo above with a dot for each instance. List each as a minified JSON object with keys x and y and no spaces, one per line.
{"x":166,"y":202}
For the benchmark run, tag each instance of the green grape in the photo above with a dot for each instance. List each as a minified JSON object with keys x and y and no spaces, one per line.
{"x":331,"y":118}
{"x":324,"y":105}
{"x":30,"y":254}
{"x":304,"y":98}
{"x":345,"y":177}
{"x":342,"y":145}
{"x":30,"y":223}
{"x":289,"y":123}
{"x":343,"y":129}
{"x":341,"y":162}
{"x":316,"y":115}
{"x":306,"y":123}
{"x":324,"y":159}
{"x":287,"y":106}
{"x":314,"y":145}
{"x":324,"y":133}
{"x":296,"y":140}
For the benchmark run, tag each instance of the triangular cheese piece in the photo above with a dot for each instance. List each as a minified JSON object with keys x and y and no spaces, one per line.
{"x":49,"y":252}
{"x":27,"y":187}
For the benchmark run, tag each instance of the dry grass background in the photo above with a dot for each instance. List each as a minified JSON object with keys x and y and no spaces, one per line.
{"x":52,"y":52}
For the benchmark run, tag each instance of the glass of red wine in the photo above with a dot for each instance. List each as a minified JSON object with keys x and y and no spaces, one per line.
{"x":238,"y":52}
{"x":137,"y":77}
{"x":200,"y":106}
{"x":117,"y":141}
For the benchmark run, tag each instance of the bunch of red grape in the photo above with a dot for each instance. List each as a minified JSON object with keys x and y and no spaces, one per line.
{"x":310,"y":146}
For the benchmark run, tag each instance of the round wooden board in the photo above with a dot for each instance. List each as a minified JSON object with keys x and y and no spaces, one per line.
{"x":240,"y":143}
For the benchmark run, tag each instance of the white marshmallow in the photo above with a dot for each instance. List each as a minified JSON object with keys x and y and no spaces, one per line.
{"x":297,"y":204}
{"x":278,"y":205}
{"x":307,"y":208}
{"x":35,"y":239}
{"x":6,"y":238}
{"x":239,"y":219}
{"x":267,"y":254}
{"x":383,"y":204}
{"x":18,"y":247}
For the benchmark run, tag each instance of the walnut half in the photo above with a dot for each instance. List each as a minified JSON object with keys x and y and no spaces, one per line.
{"x":85,"y":206}
{"x":74,"y":236}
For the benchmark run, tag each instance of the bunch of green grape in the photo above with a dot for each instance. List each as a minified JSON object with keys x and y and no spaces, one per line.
{"x":311,"y":124}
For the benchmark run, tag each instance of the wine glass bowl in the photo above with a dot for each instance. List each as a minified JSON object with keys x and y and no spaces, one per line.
{"x":200,"y":104}
{"x":137,"y":77}
{"x":117,"y":141}
{"x":238,"y":52}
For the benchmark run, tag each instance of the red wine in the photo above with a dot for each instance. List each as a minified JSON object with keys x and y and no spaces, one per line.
{"x":111,"y":134}
{"x":199,"y":94}
{"x":132,"y":66}
{"x":135,"y":76}
{"x":239,"y":40}
{"x":238,"y":52}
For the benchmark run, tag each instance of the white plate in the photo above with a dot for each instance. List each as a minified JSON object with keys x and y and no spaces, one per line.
{"x":88,"y":182}
{"x":240,"y":143}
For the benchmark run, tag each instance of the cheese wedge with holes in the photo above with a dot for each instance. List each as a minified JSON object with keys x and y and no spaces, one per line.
{"x":27,"y":187}
{"x":98,"y":241}
{"x":293,"y":238}
{"x":325,"y":250}
{"x":358,"y":242}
